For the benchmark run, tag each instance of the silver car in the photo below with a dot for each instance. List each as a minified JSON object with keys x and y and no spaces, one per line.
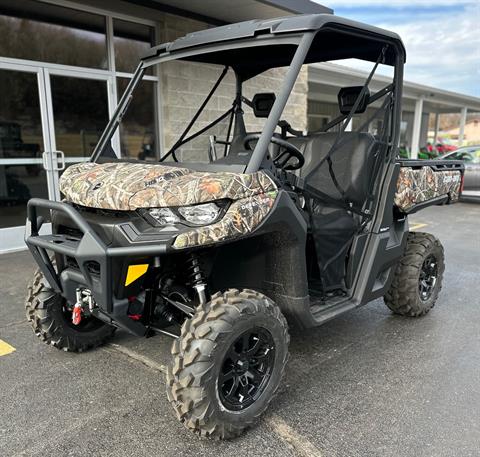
{"x":471,"y":157}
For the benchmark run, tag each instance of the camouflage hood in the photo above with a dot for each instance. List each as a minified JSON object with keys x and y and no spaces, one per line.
{"x":128,"y":186}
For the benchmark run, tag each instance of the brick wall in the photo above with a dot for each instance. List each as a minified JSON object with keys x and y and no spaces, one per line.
{"x":184,"y":86}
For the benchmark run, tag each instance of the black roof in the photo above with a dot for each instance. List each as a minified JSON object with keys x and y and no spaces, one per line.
{"x":336,"y":38}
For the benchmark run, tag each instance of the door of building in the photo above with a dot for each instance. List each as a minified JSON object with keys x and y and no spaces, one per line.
{"x":49,"y":119}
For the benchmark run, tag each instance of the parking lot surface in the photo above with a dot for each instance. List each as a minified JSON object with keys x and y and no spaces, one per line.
{"x":366,"y":384}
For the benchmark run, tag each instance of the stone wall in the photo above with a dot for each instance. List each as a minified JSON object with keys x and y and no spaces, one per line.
{"x":184,"y":86}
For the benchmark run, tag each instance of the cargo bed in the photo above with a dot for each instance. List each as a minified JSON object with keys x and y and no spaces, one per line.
{"x":423,"y":183}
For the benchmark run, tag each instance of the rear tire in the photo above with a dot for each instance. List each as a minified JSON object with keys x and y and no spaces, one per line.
{"x":418,"y":277}
{"x":45,"y":312}
{"x":217,"y":388}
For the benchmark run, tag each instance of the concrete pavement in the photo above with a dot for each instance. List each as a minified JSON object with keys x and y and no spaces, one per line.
{"x":366,"y":384}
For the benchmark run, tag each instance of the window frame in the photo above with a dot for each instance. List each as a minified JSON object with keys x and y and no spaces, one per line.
{"x":110,"y":73}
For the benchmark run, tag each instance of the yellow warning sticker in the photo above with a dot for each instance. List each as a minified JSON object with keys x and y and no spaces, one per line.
{"x":134,"y":272}
{"x":5,"y":348}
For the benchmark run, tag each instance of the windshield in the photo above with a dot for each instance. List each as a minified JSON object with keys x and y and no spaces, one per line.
{"x":470,"y":155}
{"x":197,"y":128}
{"x":205,"y":111}
{"x":239,"y":112}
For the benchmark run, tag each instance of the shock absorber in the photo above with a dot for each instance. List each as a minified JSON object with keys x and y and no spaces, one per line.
{"x":197,"y":279}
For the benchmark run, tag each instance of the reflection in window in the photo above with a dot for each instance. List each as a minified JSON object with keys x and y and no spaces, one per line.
{"x":131,"y":42}
{"x":18,"y":184}
{"x":40,"y":31}
{"x":20,"y":138}
{"x":20,"y":123}
{"x":137,"y":130}
{"x":80,"y":112}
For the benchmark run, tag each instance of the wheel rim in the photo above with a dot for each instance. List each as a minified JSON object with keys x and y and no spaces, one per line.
{"x":246,"y":369}
{"x":428,"y":277}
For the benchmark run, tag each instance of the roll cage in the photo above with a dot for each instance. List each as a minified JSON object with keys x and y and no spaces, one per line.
{"x":252,"y":47}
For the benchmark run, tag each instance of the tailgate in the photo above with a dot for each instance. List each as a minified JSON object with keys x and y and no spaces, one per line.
{"x":424,"y":183}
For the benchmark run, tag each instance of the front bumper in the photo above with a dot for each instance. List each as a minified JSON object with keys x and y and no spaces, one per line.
{"x":88,"y":249}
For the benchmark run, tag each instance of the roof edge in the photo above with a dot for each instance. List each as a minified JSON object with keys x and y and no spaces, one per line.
{"x":298,"y":6}
{"x":472,"y":101}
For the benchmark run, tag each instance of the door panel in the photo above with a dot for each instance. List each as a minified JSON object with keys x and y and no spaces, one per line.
{"x":476,"y":169}
{"x":22,"y":142}
{"x":79,"y":113}
{"x":469,"y":179}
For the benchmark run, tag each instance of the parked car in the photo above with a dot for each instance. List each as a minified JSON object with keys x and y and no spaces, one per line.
{"x":470,"y":155}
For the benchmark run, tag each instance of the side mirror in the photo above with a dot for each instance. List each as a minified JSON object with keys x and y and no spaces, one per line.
{"x":348,"y":96}
{"x":262,"y":103}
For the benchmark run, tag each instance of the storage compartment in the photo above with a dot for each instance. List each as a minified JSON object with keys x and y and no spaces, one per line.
{"x":427,"y":183}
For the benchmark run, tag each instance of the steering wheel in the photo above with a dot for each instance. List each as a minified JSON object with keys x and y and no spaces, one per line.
{"x":282,"y":159}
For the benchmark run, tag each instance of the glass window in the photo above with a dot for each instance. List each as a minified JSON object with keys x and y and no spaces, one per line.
{"x":80,"y":113}
{"x":131,"y":41}
{"x":466,"y":157}
{"x":48,"y":33}
{"x":454,"y":156}
{"x":137,"y":130}
{"x":476,"y":156}
{"x":20,"y":123}
{"x":20,"y":138}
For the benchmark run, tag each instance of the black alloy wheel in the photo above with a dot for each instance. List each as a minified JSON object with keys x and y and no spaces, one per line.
{"x":246,"y":369}
{"x":428,"y":277}
{"x":417,"y":279}
{"x":228,"y":363}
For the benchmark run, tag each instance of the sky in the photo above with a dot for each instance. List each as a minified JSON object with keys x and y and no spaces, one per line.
{"x":442,"y":38}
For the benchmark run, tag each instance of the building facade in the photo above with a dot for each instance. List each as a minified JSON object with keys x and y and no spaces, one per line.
{"x":63,"y":67}
{"x":64,"y":64}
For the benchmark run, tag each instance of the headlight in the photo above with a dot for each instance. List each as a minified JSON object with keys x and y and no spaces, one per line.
{"x":200,"y":214}
{"x":164,"y":216}
{"x":203,"y":214}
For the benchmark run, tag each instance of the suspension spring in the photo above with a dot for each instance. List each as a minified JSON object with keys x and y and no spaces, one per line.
{"x":196,"y":278}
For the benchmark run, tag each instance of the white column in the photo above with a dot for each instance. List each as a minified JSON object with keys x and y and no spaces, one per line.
{"x":463,"y":121}
{"x":349,"y":126}
{"x":417,"y":126}
{"x":437,"y":128}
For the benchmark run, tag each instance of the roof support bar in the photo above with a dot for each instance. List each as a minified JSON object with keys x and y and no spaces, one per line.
{"x":280,"y":102}
{"x":118,"y":114}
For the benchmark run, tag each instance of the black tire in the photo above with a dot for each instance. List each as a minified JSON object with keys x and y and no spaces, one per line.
{"x":45,"y":312}
{"x":201,"y":351}
{"x":404,"y":296}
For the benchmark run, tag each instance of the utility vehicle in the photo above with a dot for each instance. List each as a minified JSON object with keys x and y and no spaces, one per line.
{"x":272,"y":226}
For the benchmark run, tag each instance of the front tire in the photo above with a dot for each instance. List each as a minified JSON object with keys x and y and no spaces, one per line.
{"x":228,"y":363}
{"x":418,"y":277}
{"x":46,"y":313}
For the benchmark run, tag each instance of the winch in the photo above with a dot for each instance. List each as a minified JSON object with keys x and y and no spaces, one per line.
{"x":84,"y":298}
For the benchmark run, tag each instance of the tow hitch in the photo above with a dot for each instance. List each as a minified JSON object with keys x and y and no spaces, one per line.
{"x":84,"y":299}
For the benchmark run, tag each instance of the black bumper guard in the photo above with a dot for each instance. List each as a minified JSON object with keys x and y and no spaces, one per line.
{"x":88,"y":248}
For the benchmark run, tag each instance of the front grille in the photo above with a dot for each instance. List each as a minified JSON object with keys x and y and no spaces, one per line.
{"x":102,"y":211}
{"x":70,"y":231}
{"x":92,"y":267}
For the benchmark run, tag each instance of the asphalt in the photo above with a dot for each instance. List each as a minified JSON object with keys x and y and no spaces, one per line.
{"x":366,"y":384}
